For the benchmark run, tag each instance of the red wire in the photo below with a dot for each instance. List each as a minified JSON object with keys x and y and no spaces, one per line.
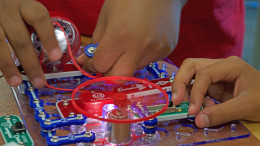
{"x":56,"y":88}
{"x":42,"y":56}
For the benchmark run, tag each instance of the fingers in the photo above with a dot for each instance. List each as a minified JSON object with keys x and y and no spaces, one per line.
{"x":225,"y":70}
{"x":230,"y":110}
{"x":36,"y":15}
{"x":125,"y":65}
{"x":19,"y":38}
{"x":186,"y":72}
{"x":81,"y":59}
{"x":7,"y":66}
{"x":107,"y":53}
{"x":221,"y":91}
{"x":97,"y":36}
{"x":85,"y":61}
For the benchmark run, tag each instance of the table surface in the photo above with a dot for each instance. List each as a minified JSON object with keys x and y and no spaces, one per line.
{"x":8,"y":106}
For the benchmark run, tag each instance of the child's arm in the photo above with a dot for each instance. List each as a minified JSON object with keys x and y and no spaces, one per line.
{"x":230,"y":81}
{"x":133,"y":33}
{"x":14,"y":15}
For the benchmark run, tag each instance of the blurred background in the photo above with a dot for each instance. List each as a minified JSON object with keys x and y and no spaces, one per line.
{"x":251,"y":53}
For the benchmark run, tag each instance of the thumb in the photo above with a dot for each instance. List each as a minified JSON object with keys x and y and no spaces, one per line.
{"x":230,"y":110}
{"x":97,"y":36}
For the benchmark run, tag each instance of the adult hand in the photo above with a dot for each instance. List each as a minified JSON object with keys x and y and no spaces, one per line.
{"x":133,"y":33}
{"x":15,"y":15}
{"x":231,"y":81}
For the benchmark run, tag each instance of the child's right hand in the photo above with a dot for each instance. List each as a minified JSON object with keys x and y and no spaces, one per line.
{"x":230,"y":81}
{"x":14,"y":16}
{"x":132,"y":34}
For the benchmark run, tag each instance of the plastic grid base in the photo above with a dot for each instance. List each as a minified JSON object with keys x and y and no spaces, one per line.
{"x":172,"y":132}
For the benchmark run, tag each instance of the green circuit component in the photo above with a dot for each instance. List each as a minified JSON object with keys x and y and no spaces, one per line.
{"x":172,"y":113}
{"x":13,"y":130}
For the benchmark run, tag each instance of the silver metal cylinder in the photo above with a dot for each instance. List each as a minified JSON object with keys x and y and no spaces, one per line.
{"x":119,"y":133}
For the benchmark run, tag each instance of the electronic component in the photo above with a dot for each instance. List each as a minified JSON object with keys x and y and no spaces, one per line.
{"x":93,"y":102}
{"x":90,"y":50}
{"x":18,"y":127}
{"x":13,"y":130}
{"x":73,"y":36}
{"x":119,"y":133}
{"x":66,"y":109}
{"x":178,"y":112}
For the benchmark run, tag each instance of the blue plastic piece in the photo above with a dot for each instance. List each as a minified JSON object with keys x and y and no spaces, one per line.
{"x":48,"y":128}
{"x":37,"y":104}
{"x":63,"y":122}
{"x":152,"y":122}
{"x":48,"y":134}
{"x":153,"y":68}
{"x":89,"y":53}
{"x":149,"y":126}
{"x":149,"y":130}
{"x":71,"y":139}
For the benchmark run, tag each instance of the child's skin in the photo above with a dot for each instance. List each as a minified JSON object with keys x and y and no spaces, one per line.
{"x":130,"y":33}
{"x":230,"y":81}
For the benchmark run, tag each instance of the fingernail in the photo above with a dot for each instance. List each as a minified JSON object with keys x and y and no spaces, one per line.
{"x":204,"y":120}
{"x":14,"y":81}
{"x":38,"y":82}
{"x":191,"y":107}
{"x":55,"y":54}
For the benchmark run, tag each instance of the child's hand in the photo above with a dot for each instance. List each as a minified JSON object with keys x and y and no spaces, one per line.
{"x":231,"y":81}
{"x":133,"y":33}
{"x":14,"y":15}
